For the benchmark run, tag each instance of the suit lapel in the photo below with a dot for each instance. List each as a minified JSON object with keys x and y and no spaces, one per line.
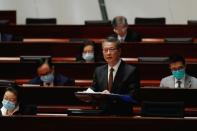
{"x":119,"y":76}
{"x":187,"y":81}
{"x":172,"y":82}
{"x":105,"y":78}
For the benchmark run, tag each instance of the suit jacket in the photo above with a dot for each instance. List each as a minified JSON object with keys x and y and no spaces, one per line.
{"x":131,"y":36}
{"x":59,"y":80}
{"x":125,"y":82}
{"x":169,"y":81}
{"x":9,"y":37}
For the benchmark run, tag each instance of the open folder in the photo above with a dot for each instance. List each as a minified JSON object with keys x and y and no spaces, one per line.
{"x":100,"y":97}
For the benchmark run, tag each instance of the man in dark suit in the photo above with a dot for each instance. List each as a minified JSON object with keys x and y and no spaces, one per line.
{"x":121,"y":31}
{"x":47,"y":76}
{"x":116,"y":77}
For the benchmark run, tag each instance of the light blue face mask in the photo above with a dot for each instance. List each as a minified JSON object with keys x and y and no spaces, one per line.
{"x":88,"y":56}
{"x":8,"y":104}
{"x":179,"y":74}
{"x":47,"y":78}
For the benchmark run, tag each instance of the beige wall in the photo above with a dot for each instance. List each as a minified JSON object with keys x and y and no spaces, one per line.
{"x":76,"y":11}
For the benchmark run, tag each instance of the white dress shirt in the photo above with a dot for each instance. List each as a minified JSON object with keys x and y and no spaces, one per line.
{"x":182,"y":82}
{"x":122,"y":39}
{"x":115,"y":67}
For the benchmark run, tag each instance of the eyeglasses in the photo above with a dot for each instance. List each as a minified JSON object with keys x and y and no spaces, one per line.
{"x":111,"y":50}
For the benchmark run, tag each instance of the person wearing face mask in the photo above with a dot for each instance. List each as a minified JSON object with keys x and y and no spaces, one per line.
{"x":88,"y":53}
{"x":179,"y":77}
{"x":121,"y":31}
{"x":12,"y":103}
{"x":48,"y":77}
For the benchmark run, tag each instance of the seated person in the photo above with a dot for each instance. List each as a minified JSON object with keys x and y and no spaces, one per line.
{"x":11,"y":103}
{"x":88,"y":53}
{"x":48,"y":77}
{"x":179,"y":77}
{"x":122,"y":33}
{"x":8,"y":36}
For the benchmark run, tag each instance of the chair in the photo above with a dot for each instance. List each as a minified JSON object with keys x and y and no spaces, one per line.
{"x":4,"y":22}
{"x":33,"y":59}
{"x":150,"y":21}
{"x":6,"y":83}
{"x":97,"y":22}
{"x":162,"y":109}
{"x":180,"y":40}
{"x":153,"y":59}
{"x":41,"y":21}
{"x":192,"y":22}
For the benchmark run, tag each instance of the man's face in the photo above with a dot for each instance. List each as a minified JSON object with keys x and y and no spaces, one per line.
{"x":111,"y":53}
{"x":177,"y":66}
{"x":121,"y":30}
{"x":44,"y":69}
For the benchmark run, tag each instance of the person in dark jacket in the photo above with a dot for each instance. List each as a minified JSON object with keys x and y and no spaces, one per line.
{"x":48,"y":77}
{"x":122,"y":33}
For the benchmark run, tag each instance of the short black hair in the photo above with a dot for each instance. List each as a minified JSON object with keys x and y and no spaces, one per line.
{"x":88,"y":43}
{"x":176,"y":58}
{"x":14,"y":88}
{"x":114,"y":40}
{"x":45,"y":61}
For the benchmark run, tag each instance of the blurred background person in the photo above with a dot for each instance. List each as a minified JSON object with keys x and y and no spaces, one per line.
{"x":12,"y":103}
{"x":88,"y":53}
{"x":48,"y":77}
{"x":122,"y":33}
{"x":179,"y":77}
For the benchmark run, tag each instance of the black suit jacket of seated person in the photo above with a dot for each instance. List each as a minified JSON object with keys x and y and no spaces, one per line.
{"x":24,"y":110}
{"x":59,"y":80}
{"x":131,"y":36}
{"x":9,"y":37}
{"x":126,"y":82}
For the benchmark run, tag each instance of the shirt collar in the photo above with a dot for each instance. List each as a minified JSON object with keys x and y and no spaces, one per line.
{"x":115,"y":67}
{"x":182,"y":80}
{"x":119,"y":37}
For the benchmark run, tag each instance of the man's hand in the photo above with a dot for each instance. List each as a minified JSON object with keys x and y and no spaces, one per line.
{"x":105,"y":92}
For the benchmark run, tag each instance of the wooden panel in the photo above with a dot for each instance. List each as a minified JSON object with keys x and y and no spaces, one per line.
{"x":55,"y":123}
{"x":148,"y":71}
{"x":129,"y":50}
{"x":82,"y":31}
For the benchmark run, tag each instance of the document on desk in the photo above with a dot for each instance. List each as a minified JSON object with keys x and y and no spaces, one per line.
{"x":90,"y":95}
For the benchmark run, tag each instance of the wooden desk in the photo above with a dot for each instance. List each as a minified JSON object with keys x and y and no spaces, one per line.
{"x":84,"y":71}
{"x":129,"y":50}
{"x":55,"y":123}
{"x":82,"y":31}
{"x":49,"y":96}
{"x":58,"y":96}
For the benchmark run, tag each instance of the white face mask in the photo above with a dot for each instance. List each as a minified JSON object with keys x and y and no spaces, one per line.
{"x":88,"y":56}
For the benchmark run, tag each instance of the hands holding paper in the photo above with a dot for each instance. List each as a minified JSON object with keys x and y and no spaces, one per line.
{"x":89,"y":90}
